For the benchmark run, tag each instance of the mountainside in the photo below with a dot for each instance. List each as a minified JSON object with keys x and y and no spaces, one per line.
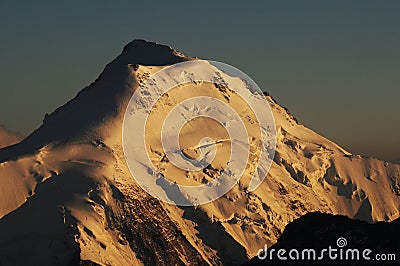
{"x":67,"y":195}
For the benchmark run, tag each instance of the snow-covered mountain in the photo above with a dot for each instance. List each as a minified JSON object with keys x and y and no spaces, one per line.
{"x":67,"y":195}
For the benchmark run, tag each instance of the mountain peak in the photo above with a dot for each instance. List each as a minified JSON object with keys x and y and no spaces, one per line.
{"x":143,"y":52}
{"x":106,"y":97}
{"x":136,"y":43}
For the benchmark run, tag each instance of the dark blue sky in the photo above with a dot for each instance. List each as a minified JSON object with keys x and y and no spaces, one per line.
{"x":334,"y":64}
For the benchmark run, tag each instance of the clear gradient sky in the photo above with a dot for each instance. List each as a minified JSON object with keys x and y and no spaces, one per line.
{"x":334,"y":64}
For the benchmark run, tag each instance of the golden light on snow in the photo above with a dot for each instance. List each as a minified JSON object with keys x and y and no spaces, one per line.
{"x":195,"y":130}
{"x":191,"y":132}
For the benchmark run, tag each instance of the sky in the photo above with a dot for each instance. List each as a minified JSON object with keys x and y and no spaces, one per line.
{"x":334,"y":64}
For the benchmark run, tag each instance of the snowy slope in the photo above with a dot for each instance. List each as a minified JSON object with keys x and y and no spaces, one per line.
{"x":67,"y":194}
